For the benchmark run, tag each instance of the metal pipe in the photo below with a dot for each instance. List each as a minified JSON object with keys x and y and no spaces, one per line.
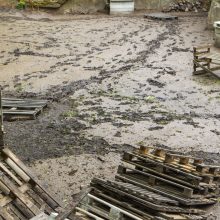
{"x":89,"y":214}
{"x":114,"y":207}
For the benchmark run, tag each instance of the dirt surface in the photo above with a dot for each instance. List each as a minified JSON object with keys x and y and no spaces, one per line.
{"x":115,"y":83}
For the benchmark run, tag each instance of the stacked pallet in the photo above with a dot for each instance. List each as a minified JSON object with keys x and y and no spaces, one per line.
{"x":154,"y":184}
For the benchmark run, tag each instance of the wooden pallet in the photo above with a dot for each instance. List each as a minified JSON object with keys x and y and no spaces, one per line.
{"x":204,"y":61}
{"x":108,"y":204}
{"x":126,"y":193}
{"x":15,"y":109}
{"x":183,"y":194}
{"x":183,"y":170}
{"x":204,"y":184}
{"x":190,"y":165}
{"x":153,"y":184}
{"x":21,"y":195}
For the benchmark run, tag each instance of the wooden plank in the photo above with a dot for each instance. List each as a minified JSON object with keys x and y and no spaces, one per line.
{"x":24,"y":101}
{"x":22,"y":197}
{"x":20,"y":112}
{"x":5,"y":215}
{"x":6,"y":170}
{"x":22,"y":208}
{"x":7,"y":199}
{"x":17,"y":169}
{"x":41,"y":216}
{"x":213,"y":56}
{"x":4,"y":188}
{"x":16,"y":212}
{"x":198,"y":47}
{"x":46,"y":197}
{"x":21,"y":106}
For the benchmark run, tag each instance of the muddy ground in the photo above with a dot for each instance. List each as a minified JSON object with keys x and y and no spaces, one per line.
{"x":114,"y":83}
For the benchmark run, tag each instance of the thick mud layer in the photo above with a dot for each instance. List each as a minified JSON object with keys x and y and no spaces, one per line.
{"x":114,"y":83}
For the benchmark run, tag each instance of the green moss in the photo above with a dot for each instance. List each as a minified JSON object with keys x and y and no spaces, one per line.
{"x":150,"y":99}
{"x":19,"y":88}
{"x":70,"y":114}
{"x":141,"y":143}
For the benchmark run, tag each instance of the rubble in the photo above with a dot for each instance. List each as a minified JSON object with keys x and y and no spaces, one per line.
{"x":186,"y":5}
{"x":46,"y":3}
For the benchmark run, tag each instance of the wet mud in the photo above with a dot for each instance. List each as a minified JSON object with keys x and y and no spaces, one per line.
{"x":114,"y":83}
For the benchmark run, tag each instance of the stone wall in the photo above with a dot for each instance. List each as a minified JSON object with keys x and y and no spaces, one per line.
{"x":89,"y":6}
{"x":85,"y":6}
{"x":152,"y":4}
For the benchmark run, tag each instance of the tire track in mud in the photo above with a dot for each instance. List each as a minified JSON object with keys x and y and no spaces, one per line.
{"x":58,"y":92}
{"x":54,"y":136}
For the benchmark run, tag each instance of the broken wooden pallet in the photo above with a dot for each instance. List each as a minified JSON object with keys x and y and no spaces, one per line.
{"x":106,"y":203}
{"x":204,"y":61}
{"x":141,"y":197}
{"x":183,"y":194}
{"x":15,"y":109}
{"x":21,"y":195}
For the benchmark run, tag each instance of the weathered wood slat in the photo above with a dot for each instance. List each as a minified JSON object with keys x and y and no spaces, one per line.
{"x":20,"y":112}
{"x":6,"y":170}
{"x":5,"y":215}
{"x":19,"y":195}
{"x":17,"y":215}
